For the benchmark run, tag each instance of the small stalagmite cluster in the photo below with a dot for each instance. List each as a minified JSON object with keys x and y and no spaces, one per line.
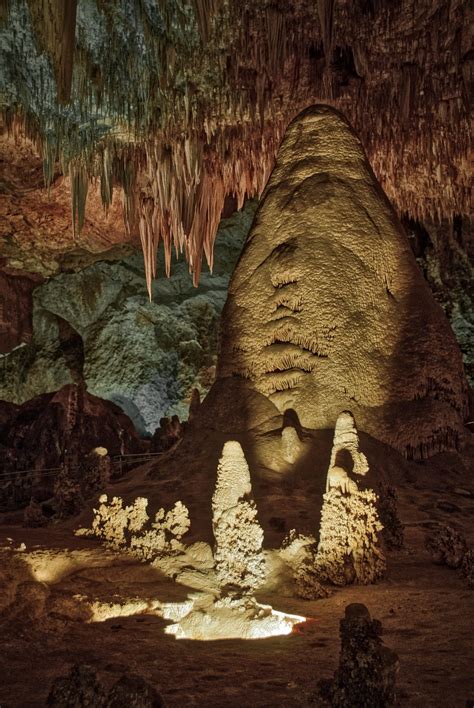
{"x":129,"y":528}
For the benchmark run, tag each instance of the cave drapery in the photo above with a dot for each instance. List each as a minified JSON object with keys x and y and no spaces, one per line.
{"x":150,"y":99}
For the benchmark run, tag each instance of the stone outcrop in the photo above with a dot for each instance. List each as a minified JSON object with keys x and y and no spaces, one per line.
{"x":147,"y":357}
{"x":240,"y":565}
{"x":447,"y":547}
{"x":82,"y":687}
{"x":367,"y":669}
{"x":327,"y":309}
{"x":39,"y":432}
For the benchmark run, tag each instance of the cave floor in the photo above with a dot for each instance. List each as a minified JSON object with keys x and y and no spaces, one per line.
{"x":426,"y":610}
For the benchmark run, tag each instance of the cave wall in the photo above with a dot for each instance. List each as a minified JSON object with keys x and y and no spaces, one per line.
{"x":98,"y":323}
{"x":445,"y":253}
{"x":147,"y":357}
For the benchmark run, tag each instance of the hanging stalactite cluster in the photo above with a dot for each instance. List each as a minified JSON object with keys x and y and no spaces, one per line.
{"x":181,"y":102}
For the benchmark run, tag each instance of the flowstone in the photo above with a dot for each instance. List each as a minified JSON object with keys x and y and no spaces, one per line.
{"x":327,"y":308}
{"x":231,"y":618}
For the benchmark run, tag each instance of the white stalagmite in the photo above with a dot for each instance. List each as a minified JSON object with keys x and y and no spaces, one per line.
{"x":348,"y":549}
{"x":291,"y":444}
{"x":240,"y":565}
{"x":345,"y":438}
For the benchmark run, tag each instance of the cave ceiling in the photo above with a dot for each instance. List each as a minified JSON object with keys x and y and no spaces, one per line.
{"x":131,"y":121}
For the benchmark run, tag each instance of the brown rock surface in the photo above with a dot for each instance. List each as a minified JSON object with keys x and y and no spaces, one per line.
{"x":38,"y":433}
{"x":16,"y":324}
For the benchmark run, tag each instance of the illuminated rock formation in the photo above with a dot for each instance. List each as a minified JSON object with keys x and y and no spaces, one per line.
{"x":327,"y":309}
{"x":239,"y":560}
{"x":346,"y":438}
{"x":291,"y":444}
{"x":299,"y":553}
{"x":349,"y":549}
{"x":130,"y":528}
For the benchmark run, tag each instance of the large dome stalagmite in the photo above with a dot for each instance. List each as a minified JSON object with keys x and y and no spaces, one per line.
{"x":327,"y":309}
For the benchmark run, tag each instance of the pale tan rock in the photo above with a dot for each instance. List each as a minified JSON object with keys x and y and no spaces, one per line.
{"x":299,"y":553}
{"x":230,"y":618}
{"x":130,"y":528}
{"x":327,"y":308}
{"x":349,"y":549}
{"x":239,"y":559}
{"x":339,"y":479}
{"x":346,"y":438}
{"x":291,"y":444}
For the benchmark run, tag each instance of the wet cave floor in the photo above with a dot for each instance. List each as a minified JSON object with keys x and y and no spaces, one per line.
{"x":427,"y":612}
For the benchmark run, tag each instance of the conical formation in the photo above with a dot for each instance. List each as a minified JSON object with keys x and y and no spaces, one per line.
{"x":327,"y":308}
{"x":240,"y":565}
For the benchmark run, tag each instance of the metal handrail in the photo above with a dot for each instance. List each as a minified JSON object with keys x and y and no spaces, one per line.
{"x":50,"y":471}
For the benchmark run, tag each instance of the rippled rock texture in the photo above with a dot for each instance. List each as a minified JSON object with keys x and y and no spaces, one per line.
{"x":327,"y":309}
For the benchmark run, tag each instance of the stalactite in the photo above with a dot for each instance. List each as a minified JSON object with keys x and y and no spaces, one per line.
{"x":55,"y":24}
{"x":204,"y":11}
{"x":79,"y":187}
{"x":180,"y":119}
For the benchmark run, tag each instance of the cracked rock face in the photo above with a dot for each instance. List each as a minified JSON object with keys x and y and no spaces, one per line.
{"x":327,"y":309}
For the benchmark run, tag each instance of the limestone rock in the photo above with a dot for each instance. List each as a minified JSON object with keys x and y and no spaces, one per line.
{"x":299,"y":553}
{"x":393,"y":530}
{"x":337,"y":478}
{"x":349,"y":549}
{"x":79,"y":688}
{"x":291,"y":444}
{"x":240,"y":564}
{"x":447,"y":547}
{"x":144,"y":356}
{"x":71,"y":418}
{"x":130,"y":527}
{"x":327,"y":309}
{"x":133,"y":691}
{"x":367,"y":669}
{"x":346,"y":439}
